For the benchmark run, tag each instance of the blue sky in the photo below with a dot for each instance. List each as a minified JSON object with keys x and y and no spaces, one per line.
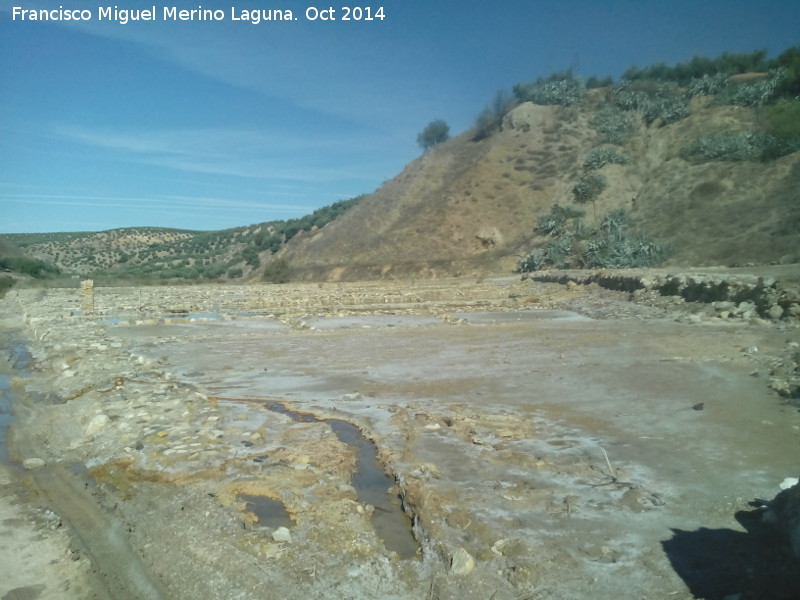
{"x":216,"y":124}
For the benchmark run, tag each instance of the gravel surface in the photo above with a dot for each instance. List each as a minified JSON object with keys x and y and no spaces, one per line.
{"x":542,"y":440}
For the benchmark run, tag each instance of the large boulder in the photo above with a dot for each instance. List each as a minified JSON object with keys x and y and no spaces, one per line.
{"x":784,"y":512}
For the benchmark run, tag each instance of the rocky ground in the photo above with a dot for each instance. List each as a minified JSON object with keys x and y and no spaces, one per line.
{"x":543,"y":440}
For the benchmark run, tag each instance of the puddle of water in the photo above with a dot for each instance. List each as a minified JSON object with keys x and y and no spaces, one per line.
{"x":569,"y":443}
{"x":372,"y":321}
{"x":188,"y":318}
{"x":19,"y":359}
{"x":269,"y":512}
{"x":113,"y":321}
{"x":18,"y":354}
{"x":370,"y":481}
{"x":521,"y":316}
{"x":6,"y":418}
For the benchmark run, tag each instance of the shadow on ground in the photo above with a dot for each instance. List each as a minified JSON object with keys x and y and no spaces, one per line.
{"x":722,"y":563}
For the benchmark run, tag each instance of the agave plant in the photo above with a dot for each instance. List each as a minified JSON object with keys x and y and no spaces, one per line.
{"x":535,"y":260}
{"x":707,"y":85}
{"x":604,"y":155}
{"x":729,"y":145}
{"x":589,"y":186}
{"x":612,"y":124}
{"x":554,"y":222}
{"x":759,"y":93}
{"x":565,"y":91}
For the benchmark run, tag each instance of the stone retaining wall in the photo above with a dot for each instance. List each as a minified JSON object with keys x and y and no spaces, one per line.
{"x":733,"y":295}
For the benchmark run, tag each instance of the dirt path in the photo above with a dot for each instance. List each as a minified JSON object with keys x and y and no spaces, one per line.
{"x":539,"y":453}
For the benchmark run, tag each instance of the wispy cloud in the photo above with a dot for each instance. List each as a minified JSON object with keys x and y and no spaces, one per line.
{"x":150,"y":203}
{"x":233,"y":152}
{"x":363,"y":80}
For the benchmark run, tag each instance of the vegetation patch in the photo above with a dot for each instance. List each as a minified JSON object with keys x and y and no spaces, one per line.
{"x":612,"y":245}
{"x":783,"y":122}
{"x":737,"y":146}
{"x":491,"y":118}
{"x":589,"y":187}
{"x":278,"y":271}
{"x":6,"y":283}
{"x":613,"y":125}
{"x":728,"y":63}
{"x":656,"y":101}
{"x":434,"y":133}
{"x":605,"y":155}
{"x":28,"y":266}
{"x":756,"y":94}
{"x":151,"y":254}
{"x":616,"y":246}
{"x":564,"y":89}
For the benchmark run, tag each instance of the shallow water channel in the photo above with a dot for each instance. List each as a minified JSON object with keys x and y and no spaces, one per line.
{"x":371,"y":482}
{"x":17,"y":360}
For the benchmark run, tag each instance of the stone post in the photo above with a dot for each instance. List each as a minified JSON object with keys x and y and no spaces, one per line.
{"x":87,"y":296}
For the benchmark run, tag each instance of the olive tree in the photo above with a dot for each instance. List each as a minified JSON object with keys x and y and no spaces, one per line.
{"x":434,"y":133}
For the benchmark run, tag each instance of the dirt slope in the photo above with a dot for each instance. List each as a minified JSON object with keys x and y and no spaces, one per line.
{"x":467,"y":206}
{"x":470,"y":207}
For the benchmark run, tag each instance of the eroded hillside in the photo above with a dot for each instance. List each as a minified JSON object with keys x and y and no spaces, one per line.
{"x":664,"y":168}
{"x":469,"y":206}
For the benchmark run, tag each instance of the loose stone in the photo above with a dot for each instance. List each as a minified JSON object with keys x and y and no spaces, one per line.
{"x":282,"y":534}
{"x":31,"y":464}
{"x":776,"y":312}
{"x":462,"y":563}
{"x":97,"y":424}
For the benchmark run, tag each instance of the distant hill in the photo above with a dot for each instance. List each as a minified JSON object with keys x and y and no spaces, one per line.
{"x":153,"y":254}
{"x":695,"y":165}
{"x":7,"y":248}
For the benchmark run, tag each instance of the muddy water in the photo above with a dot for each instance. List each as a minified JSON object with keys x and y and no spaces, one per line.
{"x":17,"y":359}
{"x":6,"y":418}
{"x":372,"y":484}
{"x":269,"y":512}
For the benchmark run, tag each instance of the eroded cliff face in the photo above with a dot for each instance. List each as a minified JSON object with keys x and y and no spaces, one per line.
{"x":470,"y":206}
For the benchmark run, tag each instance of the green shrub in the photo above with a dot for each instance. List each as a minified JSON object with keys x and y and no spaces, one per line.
{"x":277,"y":271}
{"x":613,"y":125}
{"x":700,"y":66}
{"x":625,"y":250}
{"x":613,"y":245}
{"x":707,"y":85}
{"x":560,"y":88}
{"x":756,"y":94}
{"x":783,"y":123}
{"x":234,"y":273}
{"x":556,"y":221}
{"x":594,"y":82}
{"x":654,"y":100}
{"x":292,"y":228}
{"x":617,"y":247}
{"x":434,"y":133}
{"x":213,"y":271}
{"x":250,"y":256}
{"x":535,"y":260}
{"x":6,"y":283}
{"x":491,"y":118}
{"x":615,"y":220}
{"x":558,"y":250}
{"x":731,"y":145}
{"x":603,"y":155}
{"x":589,"y":187}
{"x":29,"y":266}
